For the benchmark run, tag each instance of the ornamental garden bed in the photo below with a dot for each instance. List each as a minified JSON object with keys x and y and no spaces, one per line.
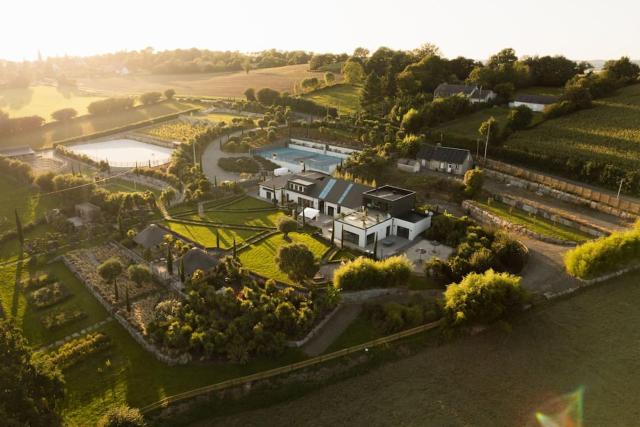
{"x":62,"y":317}
{"x":48,"y":295}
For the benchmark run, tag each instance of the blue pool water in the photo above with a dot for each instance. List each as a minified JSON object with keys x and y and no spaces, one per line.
{"x":291,"y":158}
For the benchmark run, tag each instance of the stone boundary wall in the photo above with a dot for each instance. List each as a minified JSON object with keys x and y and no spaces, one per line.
{"x":488,"y":218}
{"x":559,"y":194}
{"x":360,"y":296}
{"x":313,"y":332}
{"x":590,"y":282}
{"x":135,"y":334}
{"x":538,"y":209}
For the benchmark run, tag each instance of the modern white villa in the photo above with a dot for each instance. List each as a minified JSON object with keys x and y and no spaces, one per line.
{"x":361,"y":214}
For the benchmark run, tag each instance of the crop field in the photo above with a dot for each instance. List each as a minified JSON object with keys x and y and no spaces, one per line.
{"x":260,"y":257}
{"x":344,"y":97}
{"x":43,"y":100}
{"x":47,"y":135}
{"x":608,"y":132}
{"x":232,"y":84}
{"x":174,"y":131}
{"x":578,"y":343}
{"x":23,"y":198}
{"x":205,"y":235}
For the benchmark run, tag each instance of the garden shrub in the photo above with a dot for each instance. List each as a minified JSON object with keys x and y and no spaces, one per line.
{"x":482,"y":298}
{"x":239,"y":164}
{"x":393,"y":317}
{"x":604,"y":255}
{"x":77,"y":350}
{"x":47,"y":296}
{"x":365,"y":273}
{"x":122,"y":416}
{"x":60,"y":318}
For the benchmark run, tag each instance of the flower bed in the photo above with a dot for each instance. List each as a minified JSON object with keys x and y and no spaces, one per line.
{"x":75,"y":351}
{"x":60,"y":318}
{"x":50,"y":295}
{"x":142,"y":311}
{"x":34,"y":283}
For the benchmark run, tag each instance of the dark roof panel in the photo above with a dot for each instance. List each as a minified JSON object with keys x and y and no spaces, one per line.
{"x":443,"y":154}
{"x":535,"y":99}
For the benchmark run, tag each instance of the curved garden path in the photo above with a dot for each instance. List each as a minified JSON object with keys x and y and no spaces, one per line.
{"x":210,"y":160}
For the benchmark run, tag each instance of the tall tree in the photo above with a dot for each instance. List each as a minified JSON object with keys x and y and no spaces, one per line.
{"x":19,"y":229}
{"x":109,"y":271}
{"x":297,"y":261}
{"x":32,"y":390}
{"x":169,"y":260}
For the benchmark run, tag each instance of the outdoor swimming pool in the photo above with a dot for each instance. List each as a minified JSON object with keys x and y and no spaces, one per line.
{"x":293,"y":159}
{"x":124,"y":152}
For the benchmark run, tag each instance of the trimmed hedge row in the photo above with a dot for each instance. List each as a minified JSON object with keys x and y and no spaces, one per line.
{"x":75,"y":351}
{"x":605,"y":255}
{"x":365,"y":273}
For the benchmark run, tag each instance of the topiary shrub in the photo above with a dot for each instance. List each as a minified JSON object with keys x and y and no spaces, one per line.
{"x":365,"y":273}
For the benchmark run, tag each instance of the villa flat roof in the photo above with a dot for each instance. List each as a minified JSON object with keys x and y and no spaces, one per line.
{"x":363,"y":221}
{"x":302,"y":182}
{"x":389,"y":192}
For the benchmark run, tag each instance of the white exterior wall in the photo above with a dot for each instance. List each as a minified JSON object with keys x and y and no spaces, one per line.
{"x":379,"y":228}
{"x":262,"y":192}
{"x":456,"y":169}
{"x":336,"y":214}
{"x":316,"y":147}
{"x":415,"y":228}
{"x":532,"y":106}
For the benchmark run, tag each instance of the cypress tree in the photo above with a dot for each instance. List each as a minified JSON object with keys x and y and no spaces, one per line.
{"x":234,"y":248}
{"x":126,"y":297}
{"x":120,"y":226}
{"x":19,"y":229}
{"x":333,"y":232}
{"x":169,"y":260}
{"x":217,"y":238}
{"x":375,"y":248}
{"x":182,"y":278}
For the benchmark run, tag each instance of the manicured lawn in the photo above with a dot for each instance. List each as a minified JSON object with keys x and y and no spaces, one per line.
{"x":43,"y":100}
{"x":344,"y":97}
{"x":535,"y":223}
{"x":206,"y":235}
{"x":46,"y":136}
{"x":29,"y":204}
{"x":137,"y":378}
{"x":222,"y":117}
{"x":238,"y":213}
{"x":121,"y":185}
{"x":260,"y":257}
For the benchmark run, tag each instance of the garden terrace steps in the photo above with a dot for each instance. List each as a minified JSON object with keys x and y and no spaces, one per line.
{"x":221,"y":225}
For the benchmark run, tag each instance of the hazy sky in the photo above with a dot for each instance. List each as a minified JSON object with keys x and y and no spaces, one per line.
{"x":579,"y":29}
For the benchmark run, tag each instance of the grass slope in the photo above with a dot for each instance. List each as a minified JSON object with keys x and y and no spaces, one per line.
{"x":609,"y":132}
{"x":467,"y":126}
{"x":230,"y":84}
{"x":535,"y":223}
{"x":206,"y":235}
{"x":260,"y":257}
{"x":495,"y":378}
{"x":43,"y":100}
{"x":23,"y":198}
{"x":345,"y":97}
{"x":46,"y":136}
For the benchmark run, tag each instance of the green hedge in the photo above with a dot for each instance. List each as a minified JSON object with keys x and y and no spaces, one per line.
{"x":365,"y":273}
{"x":605,"y":255}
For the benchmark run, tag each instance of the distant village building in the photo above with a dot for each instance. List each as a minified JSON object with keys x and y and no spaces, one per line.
{"x":451,"y":160}
{"x":475,"y":94}
{"x":88,"y":212}
{"x":534,"y":102}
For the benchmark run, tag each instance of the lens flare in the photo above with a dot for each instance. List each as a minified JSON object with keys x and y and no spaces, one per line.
{"x":564,"y":411}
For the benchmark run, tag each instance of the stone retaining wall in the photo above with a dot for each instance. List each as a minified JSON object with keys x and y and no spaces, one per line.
{"x":558,"y":194}
{"x":488,"y":218}
{"x":313,"y":332}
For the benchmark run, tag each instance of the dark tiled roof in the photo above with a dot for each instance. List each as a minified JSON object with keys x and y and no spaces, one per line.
{"x":151,"y":236}
{"x":443,"y":154}
{"x":345,"y":193}
{"x":446,"y":89}
{"x":412,"y":217}
{"x":536,"y":99}
{"x":197,"y":259}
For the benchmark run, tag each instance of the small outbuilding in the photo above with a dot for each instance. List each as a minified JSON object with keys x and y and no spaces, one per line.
{"x":87,"y":211}
{"x":534,"y":102}
{"x":474,"y":93}
{"x":197,"y":259}
{"x":451,"y":160}
{"x":151,"y":237}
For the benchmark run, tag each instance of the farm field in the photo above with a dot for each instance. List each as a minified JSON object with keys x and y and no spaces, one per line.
{"x":344,"y":97}
{"x":579,"y":343}
{"x":47,"y":135}
{"x":213,"y":84}
{"x":608,"y":132}
{"x":535,"y":223}
{"x":43,"y":100}
{"x":174,"y":131}
{"x":205,"y":235}
{"x":23,"y":198}
{"x":260,"y":257}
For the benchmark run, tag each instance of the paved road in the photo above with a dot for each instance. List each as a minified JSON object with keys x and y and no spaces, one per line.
{"x":210,"y":160}
{"x":545,"y":271}
{"x":332,"y":329}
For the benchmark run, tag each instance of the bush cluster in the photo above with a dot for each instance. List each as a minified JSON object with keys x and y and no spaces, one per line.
{"x":16,"y":169}
{"x":48,"y":295}
{"x":77,"y":350}
{"x":482,"y":298}
{"x":102,"y":165}
{"x":60,"y":318}
{"x":365,"y":273}
{"x":392,"y":317}
{"x":15,"y":125}
{"x":110,"y":105}
{"x":239,"y":164}
{"x":605,"y":255}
